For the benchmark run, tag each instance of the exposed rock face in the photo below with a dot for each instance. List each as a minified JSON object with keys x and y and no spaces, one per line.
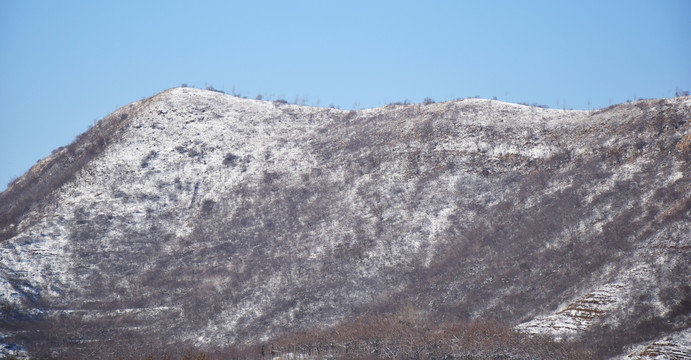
{"x":197,"y":216}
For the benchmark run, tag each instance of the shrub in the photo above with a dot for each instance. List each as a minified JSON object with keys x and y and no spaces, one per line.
{"x":534,"y":105}
{"x":12,"y":181}
{"x":409,"y":335}
{"x":147,"y":160}
{"x":211,"y":88}
{"x":230,"y":159}
{"x":428,"y":101}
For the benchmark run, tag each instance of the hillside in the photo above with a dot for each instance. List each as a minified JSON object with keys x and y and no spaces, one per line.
{"x":201,"y":219}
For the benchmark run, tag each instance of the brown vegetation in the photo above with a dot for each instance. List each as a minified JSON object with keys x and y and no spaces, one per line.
{"x":488,"y":268}
{"x":31,"y":189}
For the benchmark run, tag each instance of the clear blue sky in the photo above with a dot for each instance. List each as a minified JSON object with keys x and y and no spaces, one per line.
{"x":66,"y":64}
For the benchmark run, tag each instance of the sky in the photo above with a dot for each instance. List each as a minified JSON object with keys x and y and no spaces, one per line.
{"x":66,"y":64}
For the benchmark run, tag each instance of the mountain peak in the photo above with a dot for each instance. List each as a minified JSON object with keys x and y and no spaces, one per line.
{"x":196,"y":217}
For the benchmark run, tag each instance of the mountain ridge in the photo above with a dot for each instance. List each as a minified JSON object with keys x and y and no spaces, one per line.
{"x":283,"y":217}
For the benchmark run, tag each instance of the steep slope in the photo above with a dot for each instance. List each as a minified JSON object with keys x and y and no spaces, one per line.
{"x":207,"y":219}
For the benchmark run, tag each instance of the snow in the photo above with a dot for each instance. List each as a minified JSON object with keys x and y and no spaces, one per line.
{"x":169,"y":162}
{"x":675,"y":346}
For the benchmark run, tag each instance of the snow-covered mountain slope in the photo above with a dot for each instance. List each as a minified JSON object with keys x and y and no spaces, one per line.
{"x":674,"y":347}
{"x":199,"y":217}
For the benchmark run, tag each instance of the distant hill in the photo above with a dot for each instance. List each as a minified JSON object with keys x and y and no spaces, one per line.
{"x":198,"y":219}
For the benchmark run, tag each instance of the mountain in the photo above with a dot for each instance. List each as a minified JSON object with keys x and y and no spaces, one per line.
{"x":195,"y":218}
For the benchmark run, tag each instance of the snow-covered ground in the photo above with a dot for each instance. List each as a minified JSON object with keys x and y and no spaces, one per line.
{"x":229,"y":219}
